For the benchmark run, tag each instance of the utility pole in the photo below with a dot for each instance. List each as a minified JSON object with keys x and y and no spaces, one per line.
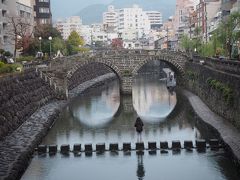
{"x":190,"y":26}
{"x":167,"y":37}
{"x":205,"y":14}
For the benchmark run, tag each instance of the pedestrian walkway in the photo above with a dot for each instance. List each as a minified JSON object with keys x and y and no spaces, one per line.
{"x":229,"y":134}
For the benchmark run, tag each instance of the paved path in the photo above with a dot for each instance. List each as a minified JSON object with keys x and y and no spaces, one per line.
{"x":229,"y":134}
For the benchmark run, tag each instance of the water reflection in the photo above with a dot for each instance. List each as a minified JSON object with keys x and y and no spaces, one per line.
{"x":101,"y":116}
{"x":188,"y":166}
{"x":152,"y":100}
{"x":97,"y":111}
{"x":140,"y":166}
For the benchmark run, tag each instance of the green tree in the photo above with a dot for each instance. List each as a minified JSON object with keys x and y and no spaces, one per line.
{"x":58,"y":44}
{"x":186,"y":43}
{"x":74,"y":42}
{"x":45,"y":31}
{"x":228,"y":34}
{"x":207,"y":49}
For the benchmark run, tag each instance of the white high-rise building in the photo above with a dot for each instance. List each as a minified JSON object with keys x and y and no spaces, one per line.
{"x":133,"y":23}
{"x":19,"y":10}
{"x":155,"y":18}
{"x":73,"y":23}
{"x":7,"y":8}
{"x":110,"y":18}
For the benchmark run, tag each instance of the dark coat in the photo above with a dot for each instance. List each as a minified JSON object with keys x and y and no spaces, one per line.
{"x":139,"y":125}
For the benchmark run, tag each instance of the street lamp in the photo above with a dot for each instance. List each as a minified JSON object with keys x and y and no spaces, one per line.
{"x":40,"y":39}
{"x":238,"y":49}
{"x":50,"y":39}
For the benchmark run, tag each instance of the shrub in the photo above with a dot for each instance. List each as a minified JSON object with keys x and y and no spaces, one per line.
{"x":7,"y":54}
{"x":209,"y":80}
{"x":126,"y":73}
{"x":8,"y":68}
{"x":192,"y":75}
{"x":1,"y":64}
{"x":225,"y":90}
{"x":25,"y":58}
{"x":1,"y":51}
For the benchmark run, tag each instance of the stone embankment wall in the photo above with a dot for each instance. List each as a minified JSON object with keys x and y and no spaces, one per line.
{"x":92,"y":84}
{"x":88,"y":72}
{"x":20,"y":97}
{"x":16,"y":149}
{"x":27,"y":113}
{"x":219,"y":90}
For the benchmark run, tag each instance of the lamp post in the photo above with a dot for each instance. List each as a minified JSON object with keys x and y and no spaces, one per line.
{"x":40,"y":40}
{"x":238,"y":49}
{"x":50,"y":53}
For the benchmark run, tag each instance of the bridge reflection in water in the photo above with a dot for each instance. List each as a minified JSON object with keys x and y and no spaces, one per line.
{"x":102,"y":116}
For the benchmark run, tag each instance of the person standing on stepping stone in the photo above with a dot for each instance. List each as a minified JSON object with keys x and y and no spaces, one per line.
{"x":139,"y":128}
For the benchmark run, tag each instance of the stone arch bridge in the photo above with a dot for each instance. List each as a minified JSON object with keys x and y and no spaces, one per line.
{"x":124,"y":63}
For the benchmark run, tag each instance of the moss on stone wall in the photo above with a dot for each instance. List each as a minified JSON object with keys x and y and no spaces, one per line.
{"x":223,"y":88}
{"x":219,"y":90}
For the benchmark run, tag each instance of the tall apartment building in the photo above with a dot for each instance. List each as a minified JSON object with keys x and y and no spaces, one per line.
{"x":24,"y":10}
{"x":110,"y":19}
{"x":236,"y":6}
{"x":184,"y":8}
{"x":19,"y":10}
{"x":155,"y":18}
{"x":133,"y":23}
{"x":207,"y":11}
{"x":7,"y":8}
{"x":73,"y":23}
{"x":226,"y":6}
{"x":42,"y":12}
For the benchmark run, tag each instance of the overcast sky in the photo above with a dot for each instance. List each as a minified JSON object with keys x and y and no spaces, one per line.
{"x":65,"y":8}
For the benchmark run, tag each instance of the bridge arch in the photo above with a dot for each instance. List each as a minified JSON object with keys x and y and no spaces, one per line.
{"x":103,"y":65}
{"x":178,"y":68}
{"x":106,"y":62}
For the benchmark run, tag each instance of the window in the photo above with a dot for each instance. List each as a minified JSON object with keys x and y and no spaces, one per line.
{"x":44,"y":1}
{"x":43,"y":21}
{"x":44,"y":10}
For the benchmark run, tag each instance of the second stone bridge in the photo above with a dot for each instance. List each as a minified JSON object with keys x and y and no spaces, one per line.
{"x":63,"y":72}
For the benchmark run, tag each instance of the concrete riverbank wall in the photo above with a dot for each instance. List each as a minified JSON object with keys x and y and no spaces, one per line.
{"x":219,"y":90}
{"x":212,"y":123}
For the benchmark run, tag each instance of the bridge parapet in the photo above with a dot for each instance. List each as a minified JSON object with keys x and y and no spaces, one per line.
{"x":229,"y":66}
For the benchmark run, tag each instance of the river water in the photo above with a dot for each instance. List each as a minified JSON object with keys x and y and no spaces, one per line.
{"x":103,"y":116}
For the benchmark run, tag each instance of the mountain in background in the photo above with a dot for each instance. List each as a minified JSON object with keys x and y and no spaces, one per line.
{"x":93,"y":13}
